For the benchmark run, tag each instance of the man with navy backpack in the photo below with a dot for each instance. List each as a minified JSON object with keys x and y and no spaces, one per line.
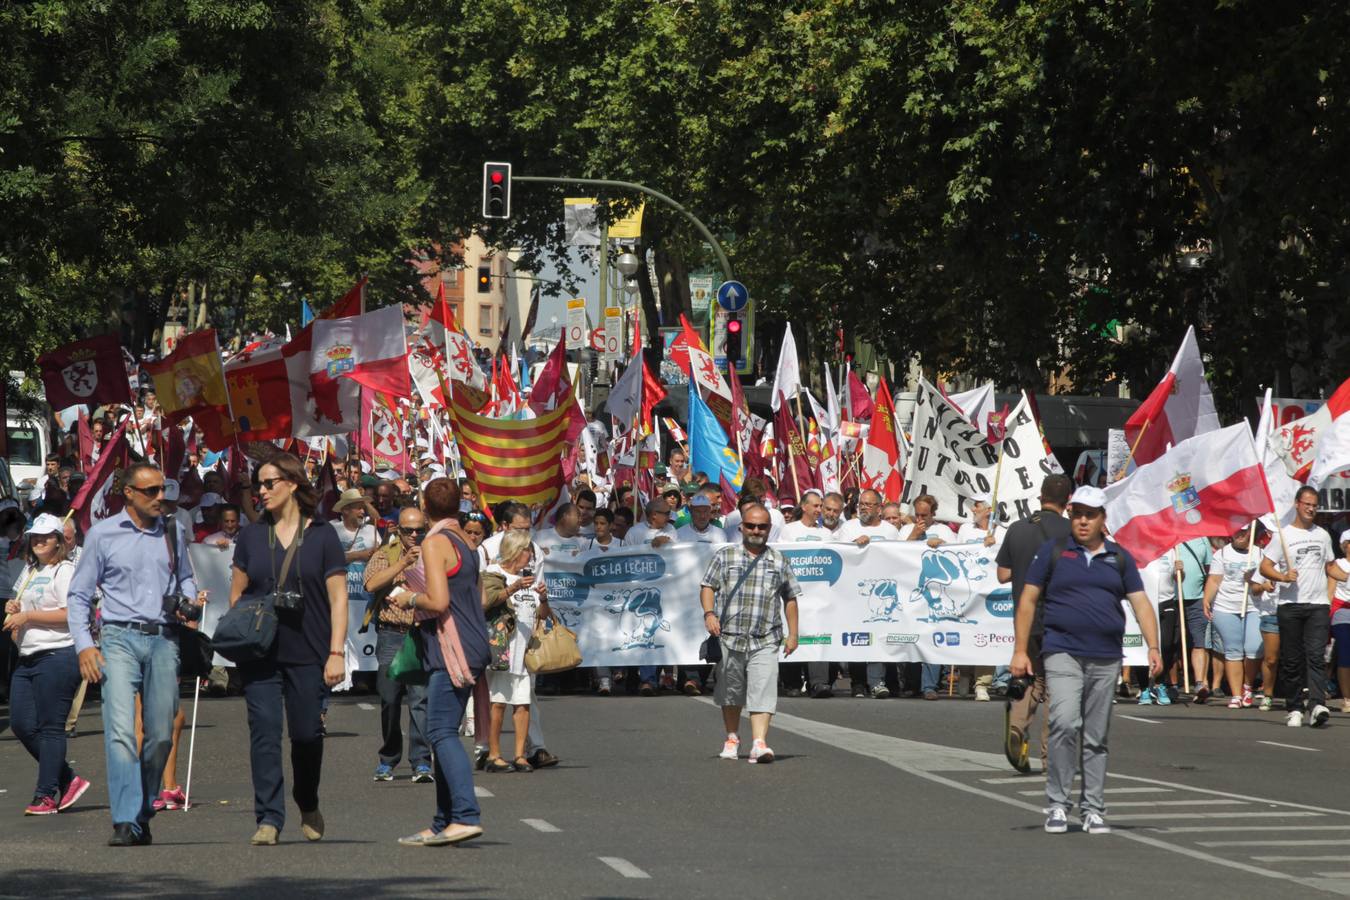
{"x":1081,"y":581}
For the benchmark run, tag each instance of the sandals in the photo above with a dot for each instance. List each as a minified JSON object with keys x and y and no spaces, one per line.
{"x":497,"y":764}
{"x":522,"y":764}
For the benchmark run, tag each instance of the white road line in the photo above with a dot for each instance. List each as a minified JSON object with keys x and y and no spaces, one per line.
{"x":1207,"y":829}
{"x":1301,"y":859}
{"x":1334,"y":842}
{"x":1290,"y":746}
{"x":1181,"y":803}
{"x":1021,"y":780}
{"x":1333,"y":874}
{"x":482,"y":792}
{"x":623,"y":867}
{"x":369,"y":707}
{"x":1198,"y":790}
{"x":541,"y":825}
{"x":1140,"y":719}
{"x":1153,"y":817}
{"x":924,"y":760}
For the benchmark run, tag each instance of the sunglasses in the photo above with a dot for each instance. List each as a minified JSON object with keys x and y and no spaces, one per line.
{"x":413,"y":532}
{"x":755,"y":526}
{"x":269,"y":484}
{"x":152,"y":491}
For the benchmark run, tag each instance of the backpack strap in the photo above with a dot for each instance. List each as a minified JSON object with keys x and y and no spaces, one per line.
{"x":1056,"y":551}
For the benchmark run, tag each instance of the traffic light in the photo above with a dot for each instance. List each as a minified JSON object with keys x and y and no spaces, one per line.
{"x":734,"y":339}
{"x":496,"y":190}
{"x":485,"y":279}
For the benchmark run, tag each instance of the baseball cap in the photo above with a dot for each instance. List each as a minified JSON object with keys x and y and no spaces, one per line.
{"x":699,"y":500}
{"x":670,"y":487}
{"x":211,"y":498}
{"x":171,"y":490}
{"x":1345,"y":535}
{"x":1087,"y":495}
{"x":689,"y":488}
{"x":46,"y":523}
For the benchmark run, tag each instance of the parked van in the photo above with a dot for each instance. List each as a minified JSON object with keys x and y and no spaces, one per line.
{"x":26,"y":439}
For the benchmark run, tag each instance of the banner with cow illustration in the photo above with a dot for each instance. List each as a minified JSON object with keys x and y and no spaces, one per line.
{"x":895,"y":602}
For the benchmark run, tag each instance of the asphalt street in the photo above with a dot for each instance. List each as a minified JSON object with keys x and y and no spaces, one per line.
{"x":868,"y":798}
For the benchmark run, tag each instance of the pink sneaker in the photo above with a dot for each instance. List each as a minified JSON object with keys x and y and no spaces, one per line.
{"x":46,"y":806}
{"x":74,"y":791}
{"x":730,"y":748}
{"x":1247,"y":699}
{"x":169,"y":799}
{"x":760,"y":753}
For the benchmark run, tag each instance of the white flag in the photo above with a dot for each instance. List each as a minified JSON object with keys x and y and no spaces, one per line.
{"x":787,"y":379}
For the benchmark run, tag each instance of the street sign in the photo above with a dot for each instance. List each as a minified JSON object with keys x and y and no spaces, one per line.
{"x":732,"y":296}
{"x":613,"y":332}
{"x":576,"y":323}
{"x":598,"y":339}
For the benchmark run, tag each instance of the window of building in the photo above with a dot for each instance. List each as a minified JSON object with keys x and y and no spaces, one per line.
{"x":485,"y":319}
{"x":450,"y":277}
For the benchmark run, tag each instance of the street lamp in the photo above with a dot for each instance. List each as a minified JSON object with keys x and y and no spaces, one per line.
{"x":627,"y":264}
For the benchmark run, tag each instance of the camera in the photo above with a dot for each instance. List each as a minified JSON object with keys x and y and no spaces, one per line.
{"x":1017,"y":687}
{"x":287,"y":601}
{"x":177,"y":604}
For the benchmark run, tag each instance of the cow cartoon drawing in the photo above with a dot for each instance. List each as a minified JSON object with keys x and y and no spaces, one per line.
{"x":644,"y":605}
{"x":883,"y":599}
{"x":569,"y":616}
{"x":939,"y":573}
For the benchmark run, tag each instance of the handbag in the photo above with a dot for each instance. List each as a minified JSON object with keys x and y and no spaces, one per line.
{"x":500,"y":628}
{"x":710,"y":650}
{"x":248,"y":631}
{"x":409,"y":665}
{"x":552,"y":649}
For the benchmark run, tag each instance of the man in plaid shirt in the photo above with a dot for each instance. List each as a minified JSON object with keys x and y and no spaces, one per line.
{"x":746,"y":618}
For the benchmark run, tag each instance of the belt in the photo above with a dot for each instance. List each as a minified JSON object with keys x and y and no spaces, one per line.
{"x":147,"y":627}
{"x":401,"y":629}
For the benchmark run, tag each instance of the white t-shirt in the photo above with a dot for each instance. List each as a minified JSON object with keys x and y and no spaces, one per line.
{"x":1232,"y":564}
{"x":642,"y":535}
{"x":970,"y":533}
{"x":1159,"y":582}
{"x":1343,"y":587}
{"x":687,"y":534}
{"x":832,"y":534}
{"x":592,"y":544}
{"x":854,"y":529}
{"x":525,"y":604}
{"x":551,"y":541}
{"x":216,"y":537}
{"x":936,"y":530}
{"x":45,"y":590}
{"x":1310,"y":549}
{"x":794,"y":532}
{"x":731,"y":524}
{"x":363,"y":538}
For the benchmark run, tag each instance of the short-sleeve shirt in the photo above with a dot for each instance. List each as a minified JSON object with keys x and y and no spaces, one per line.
{"x":1022,"y":541}
{"x":1311,"y":550}
{"x":1196,"y":556}
{"x":363,"y":538}
{"x":44,"y":589}
{"x":854,"y":529}
{"x":1231,"y":564}
{"x":1083,"y":615}
{"x":688,"y":534}
{"x":794,"y":532}
{"x":750,"y":619}
{"x":302,"y":636}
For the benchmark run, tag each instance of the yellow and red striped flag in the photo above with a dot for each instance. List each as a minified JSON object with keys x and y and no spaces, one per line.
{"x":511,"y":459}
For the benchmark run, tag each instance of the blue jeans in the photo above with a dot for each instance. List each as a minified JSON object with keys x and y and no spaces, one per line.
{"x":40,"y":695}
{"x":932,"y":675}
{"x":271,"y":689}
{"x":647,"y":674}
{"x":455,"y":800}
{"x":146,"y":664}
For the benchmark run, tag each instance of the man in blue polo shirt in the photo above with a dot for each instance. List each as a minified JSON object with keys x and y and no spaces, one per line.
{"x":1082,"y":580}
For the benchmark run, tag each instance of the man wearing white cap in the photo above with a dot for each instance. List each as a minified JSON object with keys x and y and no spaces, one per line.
{"x":1081,"y":580}
{"x":169,"y":506}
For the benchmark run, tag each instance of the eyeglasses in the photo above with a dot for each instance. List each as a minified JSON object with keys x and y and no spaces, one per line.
{"x":153,"y":491}
{"x":269,"y":484}
{"x":413,"y":532}
{"x":755,"y":526}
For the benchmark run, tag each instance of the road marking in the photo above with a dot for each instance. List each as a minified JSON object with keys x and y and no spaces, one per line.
{"x":1199,"y":790}
{"x":1338,"y":858}
{"x":1334,"y":842}
{"x":369,"y":707}
{"x":1150,"y":817}
{"x":1290,"y":746}
{"x":1333,"y":874}
{"x":1206,"y":829}
{"x":482,"y":792}
{"x":541,"y":825}
{"x":1181,"y":803}
{"x":1022,"y":780}
{"x":1141,"y":719}
{"x":924,"y":760}
{"x":623,"y":867}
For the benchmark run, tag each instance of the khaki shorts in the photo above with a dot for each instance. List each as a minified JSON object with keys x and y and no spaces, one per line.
{"x":748,"y":679}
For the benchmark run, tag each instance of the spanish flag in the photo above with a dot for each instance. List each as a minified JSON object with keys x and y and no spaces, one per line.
{"x":190,"y":381}
{"x":511,"y":459}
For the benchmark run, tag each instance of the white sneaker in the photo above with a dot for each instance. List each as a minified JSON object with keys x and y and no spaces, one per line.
{"x":1294,"y":719}
{"x":730,"y":748}
{"x":1056,"y":820}
{"x":1093,"y":823}
{"x":760,"y":753}
{"x":1320,"y":715}
{"x":981,"y":693}
{"x":605,"y":688}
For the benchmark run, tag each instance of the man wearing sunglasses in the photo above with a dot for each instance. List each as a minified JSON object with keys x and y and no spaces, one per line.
{"x":386,"y":582}
{"x":141,"y":570}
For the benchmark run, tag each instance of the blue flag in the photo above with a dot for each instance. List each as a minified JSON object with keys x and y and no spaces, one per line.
{"x":709,"y":451}
{"x":306,"y":314}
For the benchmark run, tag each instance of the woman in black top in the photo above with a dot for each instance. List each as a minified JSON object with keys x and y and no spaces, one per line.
{"x":307,"y":658}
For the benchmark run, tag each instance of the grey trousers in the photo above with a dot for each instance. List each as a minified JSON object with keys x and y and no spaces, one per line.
{"x":1081,"y":691}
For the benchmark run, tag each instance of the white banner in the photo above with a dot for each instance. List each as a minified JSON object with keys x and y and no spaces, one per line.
{"x":211,"y":570}
{"x":954,"y":462}
{"x":888,"y":601}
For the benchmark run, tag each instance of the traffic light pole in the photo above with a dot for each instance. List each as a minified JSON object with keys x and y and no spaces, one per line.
{"x":633,"y":186}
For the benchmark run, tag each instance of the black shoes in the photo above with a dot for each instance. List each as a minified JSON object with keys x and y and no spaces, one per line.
{"x":542,"y":759}
{"x":125,"y":835}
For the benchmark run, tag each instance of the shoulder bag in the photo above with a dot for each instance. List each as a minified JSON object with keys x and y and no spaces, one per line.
{"x":248,"y":631}
{"x":552,"y":649}
{"x":711,"y":649}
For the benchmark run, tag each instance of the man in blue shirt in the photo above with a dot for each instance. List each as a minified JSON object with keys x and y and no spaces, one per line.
{"x":128,"y":557}
{"x":1082,"y":580}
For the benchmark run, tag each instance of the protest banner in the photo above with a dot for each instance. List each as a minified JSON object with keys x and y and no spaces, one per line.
{"x":886,"y":602}
{"x":954,"y":461}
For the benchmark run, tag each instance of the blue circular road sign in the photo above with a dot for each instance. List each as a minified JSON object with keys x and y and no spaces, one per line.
{"x":732,"y":296}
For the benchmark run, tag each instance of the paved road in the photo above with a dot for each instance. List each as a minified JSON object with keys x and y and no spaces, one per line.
{"x":868,"y":799}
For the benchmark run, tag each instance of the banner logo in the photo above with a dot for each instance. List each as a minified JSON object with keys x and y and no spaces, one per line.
{"x":944,"y":585}
{"x":856,"y":639}
{"x":809,"y":639}
{"x":640,"y":617}
{"x":902,"y":638}
{"x":946,"y":639}
{"x":883,"y":599}
{"x":1000,"y":604}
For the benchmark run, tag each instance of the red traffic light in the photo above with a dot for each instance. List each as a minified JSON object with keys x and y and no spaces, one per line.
{"x":734,"y":326}
{"x":497,"y":177}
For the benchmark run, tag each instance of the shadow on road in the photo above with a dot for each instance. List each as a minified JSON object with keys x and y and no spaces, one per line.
{"x":50,"y":884}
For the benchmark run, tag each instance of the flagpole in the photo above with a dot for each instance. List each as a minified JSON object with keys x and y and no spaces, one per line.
{"x":1137,"y":438}
{"x":1247,"y":582}
{"x":993,"y":502}
{"x":1185,"y":651}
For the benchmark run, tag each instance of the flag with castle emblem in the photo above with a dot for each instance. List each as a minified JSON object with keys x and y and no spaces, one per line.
{"x":90,"y":371}
{"x":190,"y":382}
{"x":370,"y":349}
{"x":1208,"y":485}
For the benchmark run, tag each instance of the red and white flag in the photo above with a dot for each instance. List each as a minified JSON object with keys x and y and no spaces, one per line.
{"x":370,"y":349}
{"x":1208,"y":485}
{"x":1180,"y":407}
{"x":1333,"y":438}
{"x":95,"y":499}
{"x":881,"y":453}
